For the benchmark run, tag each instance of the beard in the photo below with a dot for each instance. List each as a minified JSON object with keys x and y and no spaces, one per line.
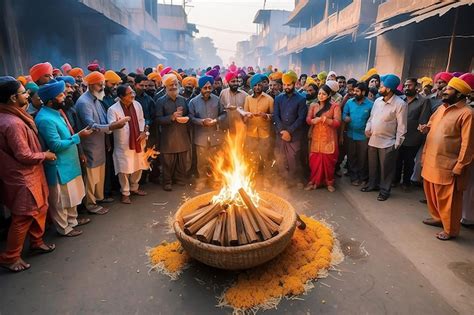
{"x":289,"y":91}
{"x":189,"y":90}
{"x":151,"y":92}
{"x":310,"y":97}
{"x":173,"y":93}
{"x":68,"y":102}
{"x":99,"y":95}
{"x":450,"y":99}
{"x":234,"y":87}
{"x":410,"y":93}
{"x":58,"y":105}
{"x":110,"y":91}
{"x":359,"y":97}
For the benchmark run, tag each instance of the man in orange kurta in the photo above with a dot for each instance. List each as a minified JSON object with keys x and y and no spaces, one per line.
{"x":448,"y":151}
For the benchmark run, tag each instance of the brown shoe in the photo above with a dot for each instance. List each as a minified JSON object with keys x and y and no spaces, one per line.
{"x":138,"y":192}
{"x":83,"y":221}
{"x":126,"y":200}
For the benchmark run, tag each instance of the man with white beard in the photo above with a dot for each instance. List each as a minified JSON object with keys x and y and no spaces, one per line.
{"x":92,"y":114}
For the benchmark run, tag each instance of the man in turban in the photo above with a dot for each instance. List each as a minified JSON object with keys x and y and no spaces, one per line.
{"x":426,"y":86}
{"x":64,"y":177}
{"x":289,"y":117}
{"x":441,"y":80}
{"x":112,"y":81}
{"x":92,"y":114}
{"x":258,"y":111}
{"x":190,"y":83}
{"x":448,"y":151}
{"x":321,"y":78}
{"x":129,"y":143}
{"x":41,"y":73}
{"x":24,"y":188}
{"x":275,"y":86}
{"x":175,"y":142}
{"x":78,"y":75}
{"x":233,"y":100}
{"x":154,"y":81}
{"x":207,"y":116}
{"x":35,"y":101}
{"x":386,"y":129}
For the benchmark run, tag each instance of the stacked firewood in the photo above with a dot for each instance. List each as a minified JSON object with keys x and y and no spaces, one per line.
{"x":232,"y":224}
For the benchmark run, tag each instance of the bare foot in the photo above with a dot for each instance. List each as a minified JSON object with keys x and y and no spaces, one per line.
{"x":17,"y":266}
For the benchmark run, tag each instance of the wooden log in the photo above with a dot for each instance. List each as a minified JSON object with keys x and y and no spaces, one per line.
{"x":200,"y":220}
{"x":216,"y":237}
{"x":198,"y":211}
{"x":254,"y":223}
{"x":240,"y":228}
{"x":250,"y":232}
{"x":205,"y":233}
{"x":223,"y":234}
{"x":272,"y":226}
{"x":273,"y":215}
{"x":264,"y":230}
{"x":231,"y":227}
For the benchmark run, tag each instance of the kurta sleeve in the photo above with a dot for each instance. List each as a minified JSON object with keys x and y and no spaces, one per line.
{"x":336,"y":121}
{"x":161,"y":117}
{"x":276,"y":115}
{"x":50,"y":136}
{"x":467,"y":143}
{"x":111,"y":115}
{"x":193,"y":113}
{"x":402,"y":112}
{"x":222,"y":114}
{"x":84,"y":111}
{"x":368,"y":126}
{"x":309,"y":116}
{"x":17,"y":141}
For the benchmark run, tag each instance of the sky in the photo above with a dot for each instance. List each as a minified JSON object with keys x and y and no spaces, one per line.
{"x":228,"y":21}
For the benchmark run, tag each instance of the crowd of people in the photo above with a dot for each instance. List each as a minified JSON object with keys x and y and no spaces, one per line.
{"x":68,"y":139}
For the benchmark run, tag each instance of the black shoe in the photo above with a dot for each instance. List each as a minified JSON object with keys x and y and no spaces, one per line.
{"x":424,"y":201}
{"x":382,"y":197}
{"x":106,"y":200}
{"x":167,"y":187}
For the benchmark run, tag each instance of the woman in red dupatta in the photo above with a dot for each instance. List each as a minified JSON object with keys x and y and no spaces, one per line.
{"x":325,"y":117}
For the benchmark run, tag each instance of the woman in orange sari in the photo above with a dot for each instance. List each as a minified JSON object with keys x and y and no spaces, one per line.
{"x":325,"y":117}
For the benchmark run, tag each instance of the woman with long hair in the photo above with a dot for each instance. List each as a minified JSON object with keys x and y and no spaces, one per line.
{"x":325,"y":117}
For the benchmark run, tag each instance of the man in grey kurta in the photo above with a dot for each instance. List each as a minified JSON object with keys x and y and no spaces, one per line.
{"x":91,"y":114}
{"x":207,"y":115}
{"x":175,"y":142}
{"x":233,"y":99}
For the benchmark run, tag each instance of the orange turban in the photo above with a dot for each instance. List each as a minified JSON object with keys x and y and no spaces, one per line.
{"x":154,"y":76}
{"x":275,"y":76}
{"x":22,"y":80}
{"x":76,"y":72}
{"x":94,"y":77}
{"x":460,"y":85}
{"x":169,"y":79}
{"x":289,"y":77}
{"x":178,"y":76}
{"x":159,"y":68}
{"x":112,"y":77}
{"x":40,"y":69}
{"x":190,"y":80}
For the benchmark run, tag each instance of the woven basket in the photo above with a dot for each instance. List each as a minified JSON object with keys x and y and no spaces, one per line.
{"x":237,"y":257}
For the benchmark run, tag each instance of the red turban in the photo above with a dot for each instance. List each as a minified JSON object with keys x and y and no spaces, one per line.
{"x":445,"y":76}
{"x":75,"y":72}
{"x":165,"y":71}
{"x":230,"y":75}
{"x":40,"y":69}
{"x":94,"y":77}
{"x":56,"y":71}
{"x":469,"y":79}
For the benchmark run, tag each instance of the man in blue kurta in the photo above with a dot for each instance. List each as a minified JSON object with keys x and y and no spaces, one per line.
{"x":66,"y":187}
{"x":92,"y":114}
{"x":289,"y":117}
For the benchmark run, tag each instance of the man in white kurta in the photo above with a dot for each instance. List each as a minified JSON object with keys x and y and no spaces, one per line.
{"x":129,"y":142}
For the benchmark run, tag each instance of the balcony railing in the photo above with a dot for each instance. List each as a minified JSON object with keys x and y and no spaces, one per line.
{"x":342,"y":20}
{"x":392,"y":8}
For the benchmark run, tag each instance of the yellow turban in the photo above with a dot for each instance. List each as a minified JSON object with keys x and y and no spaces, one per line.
{"x":112,"y":77}
{"x":309,"y":81}
{"x":425,"y":81}
{"x":368,"y":74}
{"x":159,"y":68}
{"x":191,"y":80}
{"x":460,"y":85}
{"x":275,"y":76}
{"x":289,"y":77}
{"x":154,"y":76}
{"x":169,"y":79}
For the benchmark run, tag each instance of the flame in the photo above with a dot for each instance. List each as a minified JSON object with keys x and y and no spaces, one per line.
{"x":231,"y":169}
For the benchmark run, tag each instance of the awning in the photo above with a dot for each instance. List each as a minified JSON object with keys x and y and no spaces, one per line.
{"x":343,"y":34}
{"x":416,"y":17}
{"x":156,"y":54}
{"x":296,"y":11}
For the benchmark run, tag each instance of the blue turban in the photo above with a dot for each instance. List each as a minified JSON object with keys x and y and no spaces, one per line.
{"x":257,"y":78}
{"x":67,"y":79}
{"x":50,"y":90}
{"x":204,"y":79}
{"x":32,"y":87}
{"x":390,"y":81}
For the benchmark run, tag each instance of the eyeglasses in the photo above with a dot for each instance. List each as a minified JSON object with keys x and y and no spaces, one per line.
{"x":23,"y":92}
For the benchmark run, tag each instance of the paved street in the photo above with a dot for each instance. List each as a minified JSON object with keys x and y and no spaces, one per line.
{"x":394,"y":265}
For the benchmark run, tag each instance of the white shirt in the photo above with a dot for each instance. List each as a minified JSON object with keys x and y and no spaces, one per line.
{"x":387,"y":122}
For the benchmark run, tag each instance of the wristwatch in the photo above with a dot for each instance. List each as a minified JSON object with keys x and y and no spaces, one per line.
{"x":147,"y":133}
